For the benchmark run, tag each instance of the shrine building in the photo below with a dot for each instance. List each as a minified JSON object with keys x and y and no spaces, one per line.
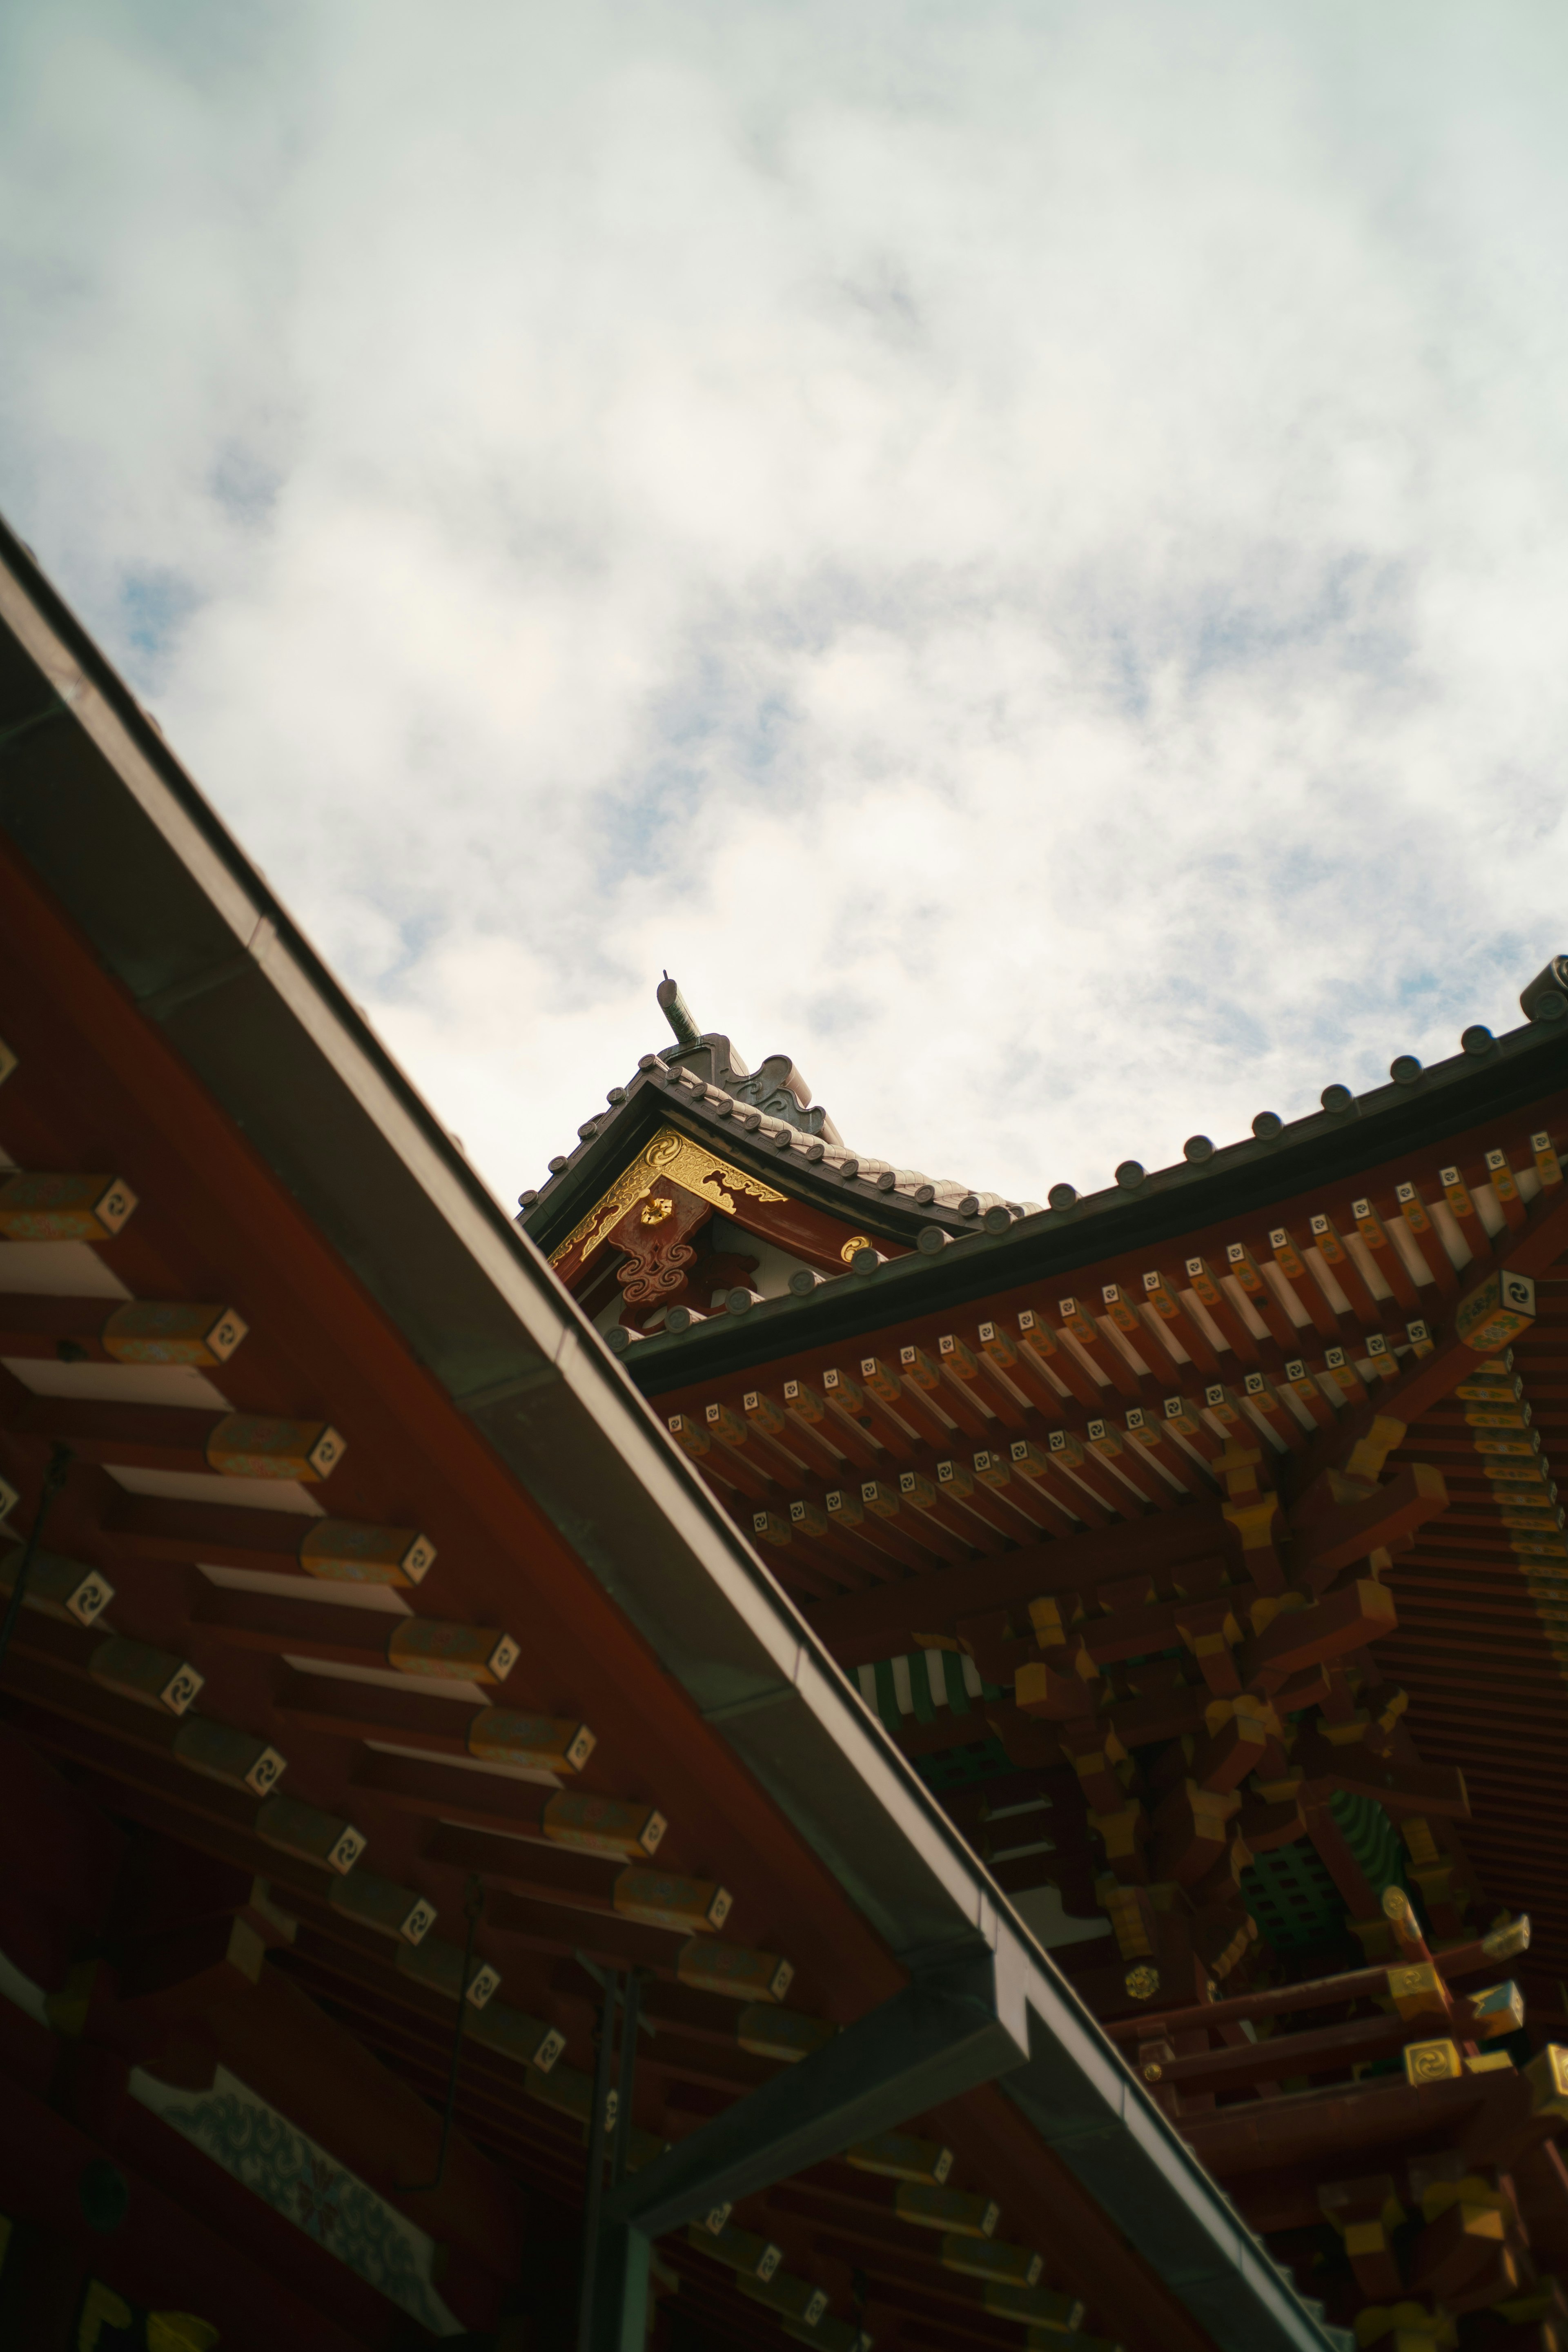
{"x":776,"y":1750}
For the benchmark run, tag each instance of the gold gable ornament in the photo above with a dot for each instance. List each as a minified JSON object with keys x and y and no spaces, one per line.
{"x":179,"y":2331}
{"x":678,"y":1161}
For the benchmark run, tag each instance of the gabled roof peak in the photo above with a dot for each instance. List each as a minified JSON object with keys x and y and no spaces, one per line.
{"x":778,"y":1089}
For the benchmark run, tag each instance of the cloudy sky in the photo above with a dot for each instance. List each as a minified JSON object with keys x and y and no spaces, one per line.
{"x":1021,"y":550}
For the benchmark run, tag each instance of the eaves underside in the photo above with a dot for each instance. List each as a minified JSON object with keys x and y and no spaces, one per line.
{"x":1521,"y":1068}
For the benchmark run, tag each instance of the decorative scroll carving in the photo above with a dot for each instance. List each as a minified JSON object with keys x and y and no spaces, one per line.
{"x":679,"y":1161}
{"x":657,"y":1253}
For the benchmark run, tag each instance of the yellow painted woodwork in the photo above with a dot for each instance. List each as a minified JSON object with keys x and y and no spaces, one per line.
{"x":741,"y":2249}
{"x":677,"y":1159}
{"x":995,"y":1344}
{"x":153,"y":1678}
{"x":1253,"y":1521}
{"x":180,"y":2331}
{"x":932,"y":2206}
{"x":1243,"y":1268}
{"x":1499,"y":1175}
{"x":341,"y":1551}
{"x":1370,"y":1228}
{"x":1300,"y":1379}
{"x":1327,"y":1243}
{"x":141,"y":1332}
{"x":1547,"y":2075}
{"x":1044,"y":2305}
{"x":792,"y":2298}
{"x":1432,"y":2062}
{"x":1052,"y":1616}
{"x":1124,"y":1831}
{"x":1204,"y":1284}
{"x":100,"y":2309}
{"x":423,"y":1646}
{"x":603,"y":1825}
{"x":1511,"y":1414}
{"x":840,"y":1390}
{"x":63,"y":1208}
{"x":225,"y":1753}
{"x":1404,"y":2328}
{"x":771,"y":1527}
{"x":439,"y":1966}
{"x":1369,"y":1454}
{"x":1418,"y":1990}
{"x":1159,"y":1295}
{"x":1286,"y":1256}
{"x":1265,"y":1398}
{"x":1495,"y":1313}
{"x":8,"y":1062}
{"x":1121,"y":1311}
{"x":378,"y":1902}
{"x":1077,"y":1319}
{"x":692,"y":1906}
{"x":898,"y":2156}
{"x":780,"y":2034}
{"x":1036,"y":1334}
{"x":247,"y":1445}
{"x":309,"y":1834}
{"x":725,"y":1426}
{"x":881,"y":1380}
{"x":1548,"y":1166}
{"x":688,"y":1436}
{"x":1414,"y":1210}
{"x":802,"y":1400}
{"x":843,"y":1507}
{"x":537,"y":1743}
{"x":514,"y":2036}
{"x":58,"y":1587}
{"x":1006,"y":2266}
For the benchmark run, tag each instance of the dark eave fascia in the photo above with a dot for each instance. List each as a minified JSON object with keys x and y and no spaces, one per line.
{"x":94,"y":803}
{"x":1238,"y":1180}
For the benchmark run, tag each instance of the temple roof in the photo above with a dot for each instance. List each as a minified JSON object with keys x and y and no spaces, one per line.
{"x":772,"y":1104}
{"x":1003,"y":1241}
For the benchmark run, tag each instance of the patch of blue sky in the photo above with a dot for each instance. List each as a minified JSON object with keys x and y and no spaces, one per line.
{"x":713,"y":741}
{"x":1351,"y":604}
{"x":245,"y":484}
{"x":155,"y":603}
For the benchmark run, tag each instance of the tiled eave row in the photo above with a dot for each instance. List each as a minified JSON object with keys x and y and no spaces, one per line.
{"x":1472,"y":1090}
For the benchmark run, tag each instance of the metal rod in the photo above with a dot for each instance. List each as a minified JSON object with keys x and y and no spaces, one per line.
{"x":473,"y":1905}
{"x":594,"y":2190}
{"x":54,"y":1479}
{"x":631,"y":2004}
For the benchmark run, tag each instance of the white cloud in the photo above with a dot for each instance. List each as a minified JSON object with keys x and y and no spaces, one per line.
{"x":1021,"y":554}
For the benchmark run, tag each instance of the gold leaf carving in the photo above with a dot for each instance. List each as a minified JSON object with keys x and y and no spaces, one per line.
{"x":675,"y":1157}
